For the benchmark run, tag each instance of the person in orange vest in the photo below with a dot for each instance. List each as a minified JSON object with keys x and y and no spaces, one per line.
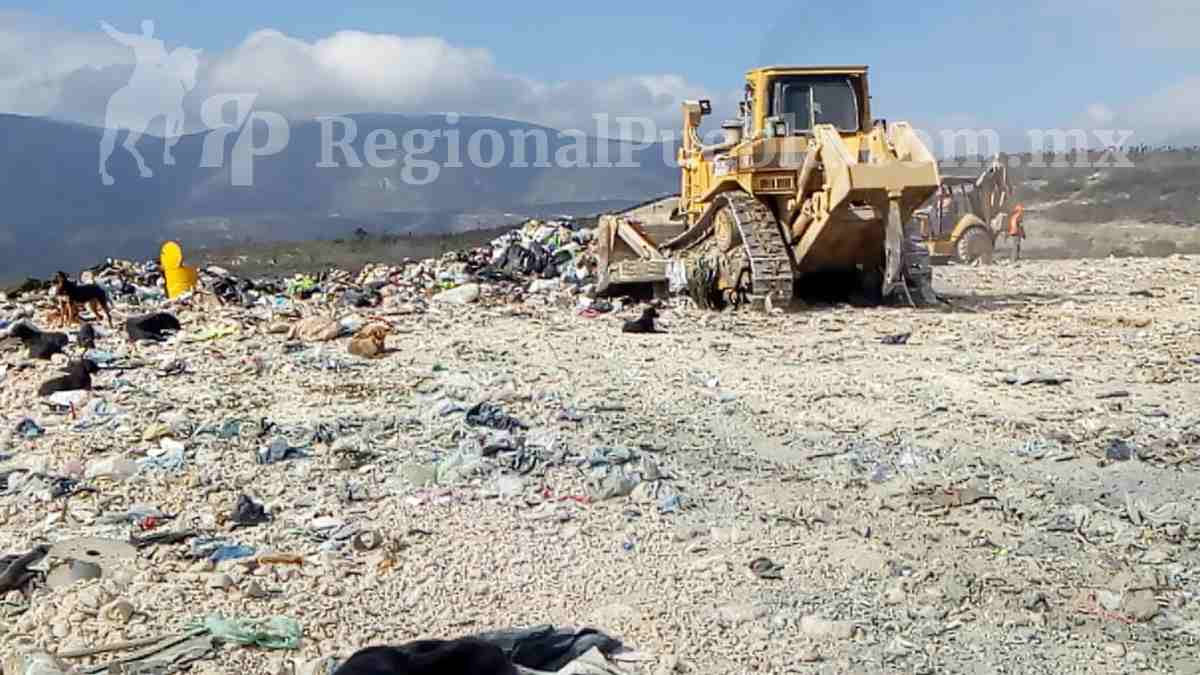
{"x":1016,"y":230}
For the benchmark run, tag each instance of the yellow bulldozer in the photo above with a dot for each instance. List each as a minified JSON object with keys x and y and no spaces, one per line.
{"x":803,"y":182}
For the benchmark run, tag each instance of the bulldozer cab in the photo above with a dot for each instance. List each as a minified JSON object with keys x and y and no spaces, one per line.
{"x":784,"y":101}
{"x":762,"y":151}
{"x":803,"y":101}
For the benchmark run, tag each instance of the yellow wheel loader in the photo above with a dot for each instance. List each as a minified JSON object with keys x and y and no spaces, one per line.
{"x":804,"y":182}
{"x":963,"y":220}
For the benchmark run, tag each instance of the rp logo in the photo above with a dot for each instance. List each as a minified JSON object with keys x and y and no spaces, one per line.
{"x":159,"y":82}
{"x":212,"y":112}
{"x":157,"y":88}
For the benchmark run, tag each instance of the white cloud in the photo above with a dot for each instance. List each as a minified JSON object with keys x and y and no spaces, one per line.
{"x":71,"y":74}
{"x":37,"y":56}
{"x":353,"y":71}
{"x":1171,"y":114}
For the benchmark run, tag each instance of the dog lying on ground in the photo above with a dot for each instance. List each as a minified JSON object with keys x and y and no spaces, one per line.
{"x":41,"y":345}
{"x":79,"y":376}
{"x":73,"y":296}
{"x":369,"y":342}
{"x":645,"y":324}
{"x":151,"y":327}
{"x":430,"y":657}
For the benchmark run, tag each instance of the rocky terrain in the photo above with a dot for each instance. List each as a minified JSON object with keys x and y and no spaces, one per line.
{"x":1007,"y":483}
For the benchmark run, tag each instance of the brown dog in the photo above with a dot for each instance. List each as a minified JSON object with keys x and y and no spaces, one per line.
{"x":369,"y":341}
{"x":71,"y":296}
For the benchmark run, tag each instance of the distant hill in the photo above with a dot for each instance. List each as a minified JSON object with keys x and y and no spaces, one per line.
{"x":55,"y":212}
{"x":1162,"y":187}
{"x":1159,"y":186}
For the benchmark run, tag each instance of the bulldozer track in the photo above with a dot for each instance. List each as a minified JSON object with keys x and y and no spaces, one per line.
{"x":771,"y":264}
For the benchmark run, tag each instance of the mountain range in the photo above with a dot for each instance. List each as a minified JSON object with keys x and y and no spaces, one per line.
{"x":55,"y":212}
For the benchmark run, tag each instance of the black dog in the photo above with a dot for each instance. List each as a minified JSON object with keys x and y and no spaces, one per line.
{"x":75,"y":296}
{"x":430,"y":657}
{"x":41,"y":345}
{"x":644,"y":324}
{"x":87,"y":336}
{"x":79,"y":376}
{"x":151,"y":326}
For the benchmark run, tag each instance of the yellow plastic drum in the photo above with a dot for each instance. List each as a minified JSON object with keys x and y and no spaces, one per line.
{"x":171,"y":256}
{"x":179,"y":279}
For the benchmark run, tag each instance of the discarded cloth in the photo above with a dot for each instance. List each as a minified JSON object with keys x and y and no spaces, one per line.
{"x":173,"y":458}
{"x":29,"y":429}
{"x":615,"y":483}
{"x":224,"y":553}
{"x":277,"y":632}
{"x":593,"y":662}
{"x":249,"y":512}
{"x":509,"y":652}
{"x":548,"y":648}
{"x":487,"y":414}
{"x":205,"y":547}
{"x":280,"y":451}
{"x":430,"y":657}
{"x":172,"y":656}
{"x":14,"y":569}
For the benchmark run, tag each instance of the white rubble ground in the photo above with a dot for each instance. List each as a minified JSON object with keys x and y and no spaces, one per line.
{"x":928,"y":515}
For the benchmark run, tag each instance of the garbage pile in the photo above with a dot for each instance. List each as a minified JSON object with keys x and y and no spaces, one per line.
{"x":279,"y":475}
{"x":148,"y":475}
{"x":539,"y":259}
{"x":548,"y":250}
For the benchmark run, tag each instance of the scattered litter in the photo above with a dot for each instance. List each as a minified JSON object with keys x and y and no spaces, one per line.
{"x":763,"y":568}
{"x":1049,"y":380}
{"x":235,"y":552}
{"x":249,"y":512}
{"x":249,"y":473}
{"x":280,"y":450}
{"x":275,"y":632}
{"x":490,"y":415}
{"x":29,"y":429}
{"x":1119,"y":451}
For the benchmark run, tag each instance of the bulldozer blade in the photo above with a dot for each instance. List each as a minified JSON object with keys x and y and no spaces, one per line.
{"x":893,"y":269}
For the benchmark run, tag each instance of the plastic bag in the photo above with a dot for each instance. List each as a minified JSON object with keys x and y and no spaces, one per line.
{"x":276,"y":632}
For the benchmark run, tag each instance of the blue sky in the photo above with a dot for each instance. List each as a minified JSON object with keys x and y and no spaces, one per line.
{"x":1009,"y":65}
